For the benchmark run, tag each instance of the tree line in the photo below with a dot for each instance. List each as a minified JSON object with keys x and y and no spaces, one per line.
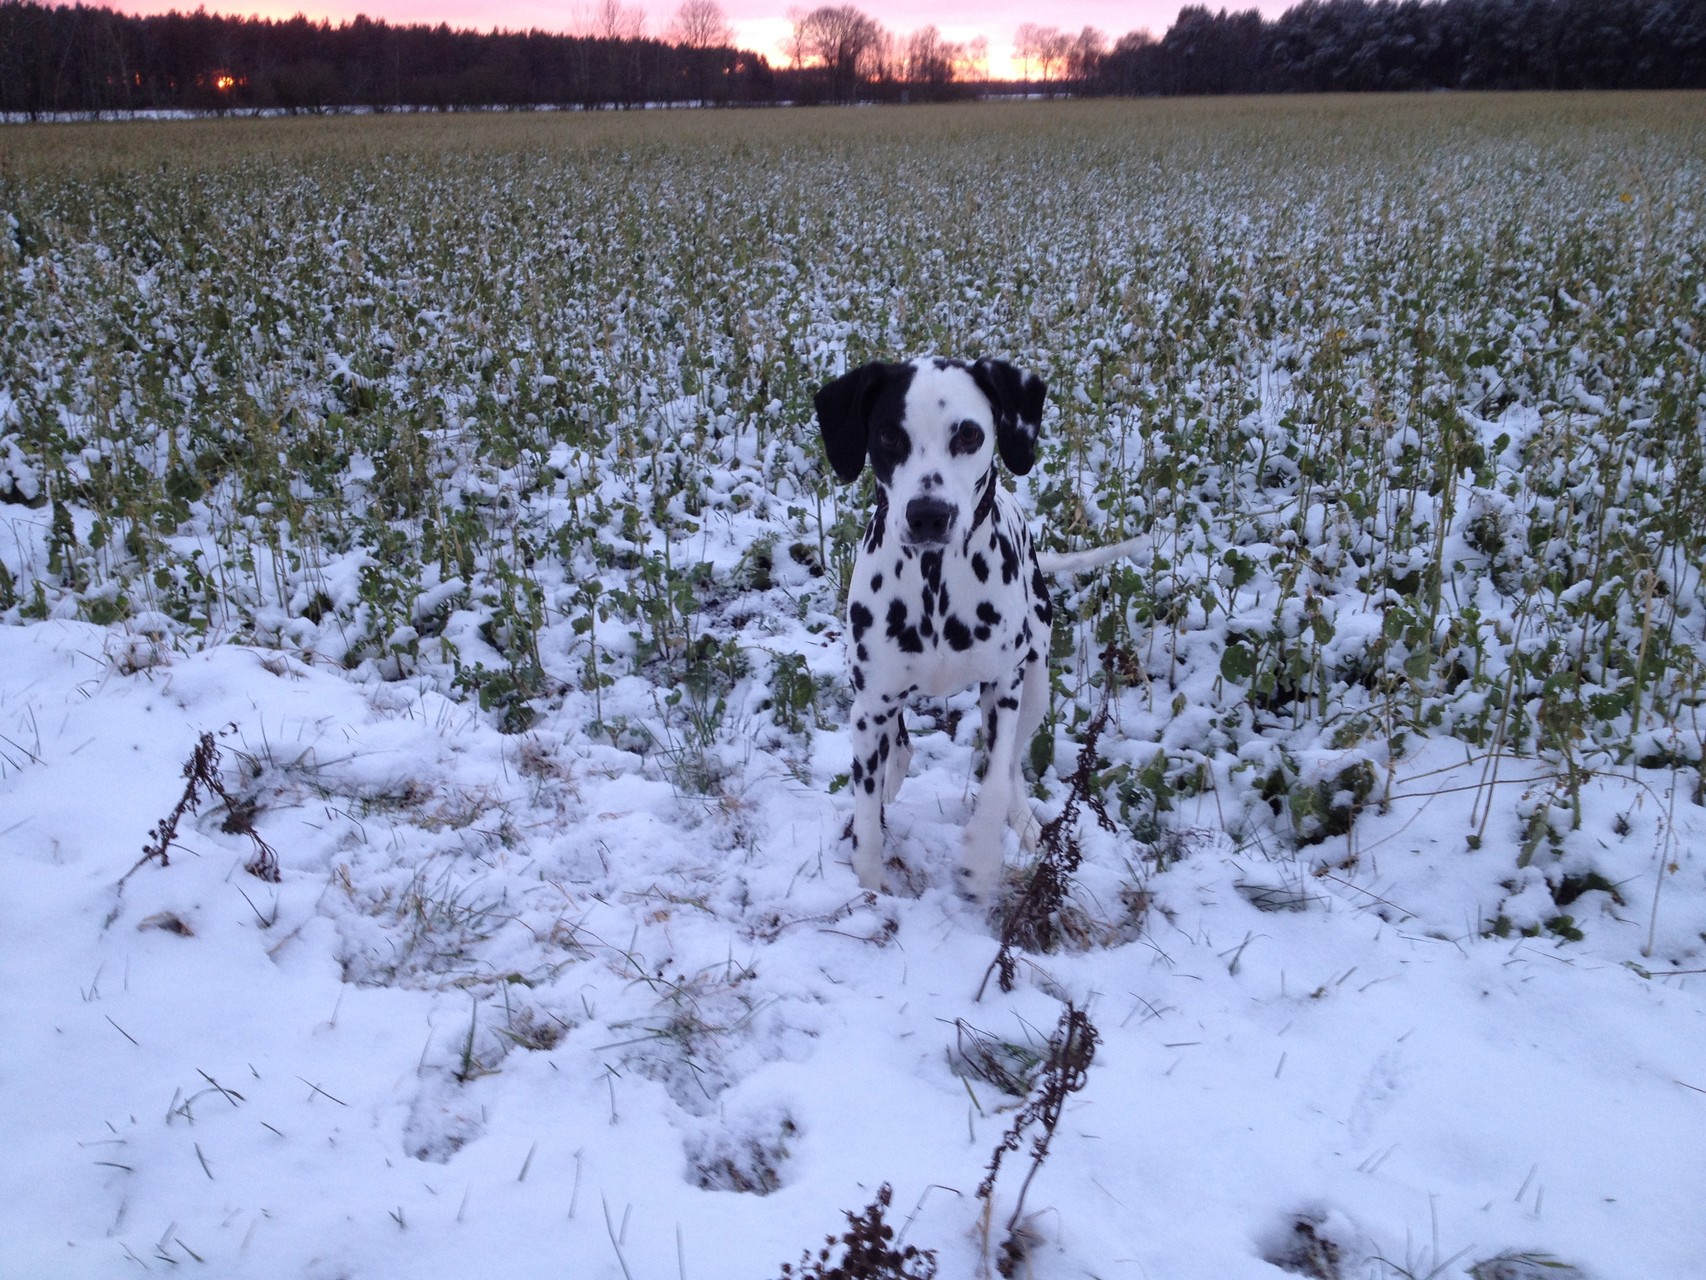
{"x":77,"y":59}
{"x":1395,"y":45}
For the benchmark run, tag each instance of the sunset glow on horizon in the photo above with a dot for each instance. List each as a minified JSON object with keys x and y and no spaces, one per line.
{"x":761,"y":26}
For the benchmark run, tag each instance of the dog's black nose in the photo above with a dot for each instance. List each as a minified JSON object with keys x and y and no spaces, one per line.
{"x":928,"y":521}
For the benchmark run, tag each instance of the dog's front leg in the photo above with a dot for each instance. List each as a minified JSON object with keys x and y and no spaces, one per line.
{"x":872,"y":747}
{"x":981,"y":856}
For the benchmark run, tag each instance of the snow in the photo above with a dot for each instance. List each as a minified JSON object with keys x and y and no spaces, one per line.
{"x":474,"y":513}
{"x":515,"y":998}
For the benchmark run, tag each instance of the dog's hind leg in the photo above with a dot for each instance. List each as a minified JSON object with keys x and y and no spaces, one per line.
{"x":1033,"y":705}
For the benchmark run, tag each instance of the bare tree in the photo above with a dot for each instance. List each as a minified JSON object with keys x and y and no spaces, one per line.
{"x":842,"y":40}
{"x":929,"y":58}
{"x":1084,"y":58}
{"x":701,"y":24}
{"x":972,"y":62}
{"x":613,"y":20}
{"x":793,"y":45}
{"x":1053,"y":48}
{"x":1027,"y":38}
{"x":882,"y":61}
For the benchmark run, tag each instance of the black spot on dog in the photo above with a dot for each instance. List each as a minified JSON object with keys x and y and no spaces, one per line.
{"x":1039,"y":592}
{"x":985,"y":502}
{"x":903,"y":634}
{"x":860,"y":616}
{"x":957,"y":634}
{"x":890,"y":442}
{"x":876,"y":582}
{"x":988,"y":613}
{"x":967,"y":438}
{"x":980,"y":566}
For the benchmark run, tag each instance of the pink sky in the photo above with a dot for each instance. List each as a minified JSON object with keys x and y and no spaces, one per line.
{"x":759,"y":24}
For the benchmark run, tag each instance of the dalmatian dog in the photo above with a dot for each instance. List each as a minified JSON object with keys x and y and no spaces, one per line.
{"x":947,"y":591}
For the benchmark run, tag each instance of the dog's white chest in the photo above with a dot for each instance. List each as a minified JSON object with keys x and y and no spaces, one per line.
{"x":941,"y":620}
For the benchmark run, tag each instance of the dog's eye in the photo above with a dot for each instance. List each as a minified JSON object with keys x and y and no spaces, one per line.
{"x":967,"y":438}
{"x":891,"y":439}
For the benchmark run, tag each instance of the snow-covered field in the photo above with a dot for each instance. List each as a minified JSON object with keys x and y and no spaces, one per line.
{"x":458,"y":480}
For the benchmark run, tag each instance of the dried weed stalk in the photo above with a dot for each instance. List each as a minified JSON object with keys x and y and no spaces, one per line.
{"x":868,"y":1251}
{"x":1031,"y":919}
{"x":202,"y":770}
{"x":1071,"y":1049}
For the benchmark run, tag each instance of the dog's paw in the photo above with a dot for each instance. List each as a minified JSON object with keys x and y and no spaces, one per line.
{"x":973,"y":887}
{"x":902,"y":880}
{"x":870,"y":879}
{"x":868,"y":865}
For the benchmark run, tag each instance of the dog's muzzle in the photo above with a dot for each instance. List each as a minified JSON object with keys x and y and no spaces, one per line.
{"x":929,"y":521}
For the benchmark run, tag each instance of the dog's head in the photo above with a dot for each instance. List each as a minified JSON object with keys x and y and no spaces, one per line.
{"x":930,"y":430}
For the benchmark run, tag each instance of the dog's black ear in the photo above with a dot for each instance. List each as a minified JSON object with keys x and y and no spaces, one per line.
{"x":1017,"y":398}
{"x":844,"y":417}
